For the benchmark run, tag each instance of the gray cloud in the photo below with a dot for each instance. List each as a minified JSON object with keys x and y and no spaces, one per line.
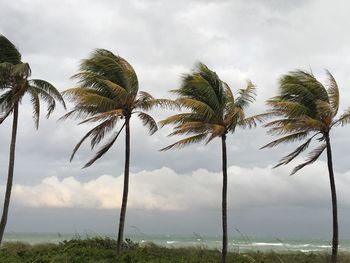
{"x":165,"y":190}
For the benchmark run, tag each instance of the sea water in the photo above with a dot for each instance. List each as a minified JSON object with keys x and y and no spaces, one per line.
{"x":238,"y":244}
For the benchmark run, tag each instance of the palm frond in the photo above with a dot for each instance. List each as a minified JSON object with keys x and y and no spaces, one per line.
{"x":149,"y":122}
{"x":313,"y":156}
{"x":228,"y":93}
{"x":111,"y":67}
{"x":307,"y":86}
{"x":290,"y":157}
{"x":180,"y":119}
{"x":117,"y":113}
{"x":94,"y":81}
{"x":49,"y":89}
{"x":5,"y":115}
{"x":8,"y":52}
{"x":104,"y":148}
{"x":87,"y":98}
{"x":312,"y":124}
{"x":193,"y":139}
{"x":343,"y":119}
{"x":197,"y":106}
{"x":191,"y":127}
{"x":333,"y":92}
{"x":287,"y":139}
{"x":246,"y":96}
{"x":194,"y":86}
{"x":45,"y":96}
{"x":324,"y":110}
{"x":213,"y":79}
{"x":288,"y":108}
{"x":120,"y":93}
{"x":73,"y":94}
{"x":36,"y":106}
{"x":252,"y":121}
{"x":96,"y":132}
{"x":6,"y":101}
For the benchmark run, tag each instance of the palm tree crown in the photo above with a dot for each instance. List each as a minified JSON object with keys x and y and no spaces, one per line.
{"x":213,"y":109}
{"x":107,"y":92}
{"x":305,"y":109}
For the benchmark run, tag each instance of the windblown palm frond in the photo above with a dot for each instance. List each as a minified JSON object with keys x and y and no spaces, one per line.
{"x":8,"y":52}
{"x":333,"y":93}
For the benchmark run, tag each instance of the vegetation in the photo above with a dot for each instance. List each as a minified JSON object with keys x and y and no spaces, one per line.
{"x":108,"y":93}
{"x":14,"y":84}
{"x":214,"y":112}
{"x":306,"y":109}
{"x":102,"y":250}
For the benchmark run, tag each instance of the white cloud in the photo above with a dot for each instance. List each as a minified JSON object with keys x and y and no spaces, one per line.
{"x":165,"y":190}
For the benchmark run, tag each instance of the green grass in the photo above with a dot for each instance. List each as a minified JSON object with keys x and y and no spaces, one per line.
{"x":102,"y":250}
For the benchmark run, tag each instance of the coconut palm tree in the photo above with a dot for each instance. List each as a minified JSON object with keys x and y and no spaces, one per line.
{"x":14,"y":84}
{"x":107,"y":94}
{"x":213,"y":113}
{"x":307,"y":110}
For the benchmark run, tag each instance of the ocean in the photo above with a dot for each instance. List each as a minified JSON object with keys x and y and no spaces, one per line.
{"x":238,"y":244}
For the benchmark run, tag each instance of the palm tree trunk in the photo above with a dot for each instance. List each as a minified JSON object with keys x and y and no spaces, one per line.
{"x":224,"y":199}
{"x":126,"y":186}
{"x":335,"y":240}
{"x":10,"y":172}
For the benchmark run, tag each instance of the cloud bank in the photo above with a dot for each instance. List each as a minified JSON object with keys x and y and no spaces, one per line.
{"x":165,"y":190}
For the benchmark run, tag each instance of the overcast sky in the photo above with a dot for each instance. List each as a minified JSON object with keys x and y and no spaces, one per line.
{"x":177,"y":191}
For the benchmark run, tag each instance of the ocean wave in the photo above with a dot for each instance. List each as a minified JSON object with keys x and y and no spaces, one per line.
{"x":172,"y":242}
{"x":267,"y":244}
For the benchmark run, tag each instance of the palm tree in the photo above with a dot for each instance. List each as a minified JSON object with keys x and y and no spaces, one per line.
{"x":14,"y":84}
{"x":108,"y":93}
{"x":307,"y":109}
{"x":213,"y":113}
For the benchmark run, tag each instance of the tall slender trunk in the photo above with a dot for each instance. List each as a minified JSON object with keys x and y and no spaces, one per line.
{"x":126,"y":186}
{"x":335,"y":239}
{"x":224,"y":199}
{"x":10,"y":172}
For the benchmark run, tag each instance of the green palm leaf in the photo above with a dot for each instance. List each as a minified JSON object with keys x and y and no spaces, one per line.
{"x":104,"y":148}
{"x":313,"y":156}
{"x":8,"y":52}
{"x":148,"y":121}
{"x":190,"y":140}
{"x":333,"y":93}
